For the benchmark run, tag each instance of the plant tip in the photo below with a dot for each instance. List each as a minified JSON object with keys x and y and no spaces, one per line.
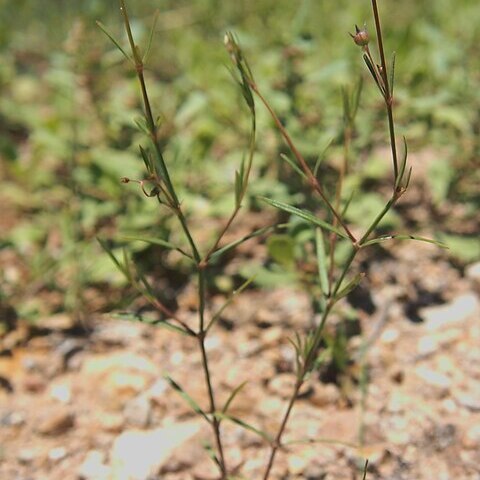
{"x":361,"y":37}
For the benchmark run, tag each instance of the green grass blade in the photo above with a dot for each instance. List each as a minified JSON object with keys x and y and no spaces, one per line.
{"x":304,"y":214}
{"x":188,"y":399}
{"x":103,"y":28}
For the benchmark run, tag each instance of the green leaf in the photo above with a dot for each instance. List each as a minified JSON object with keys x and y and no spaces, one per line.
{"x":135,"y":317}
{"x":103,"y":28}
{"x":150,"y":240}
{"x":351,"y":285}
{"x":193,"y":404}
{"x":403,"y":164}
{"x":321,"y":157}
{"x":322,"y":261}
{"x":150,"y":37}
{"x":392,"y":73}
{"x":110,"y":253}
{"x":304,"y":214}
{"x":218,"y":253}
{"x":211,"y":453}
{"x":282,"y":249}
{"x":238,"y":187}
{"x":331,"y":441}
{"x":385,"y":238}
{"x":232,"y":296}
{"x":295,"y":167}
{"x":371,"y":67}
{"x":146,"y":159}
{"x":232,"y":396}
{"x":243,"y":424}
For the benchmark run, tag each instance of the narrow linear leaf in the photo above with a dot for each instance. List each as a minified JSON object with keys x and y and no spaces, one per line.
{"x":218,"y":253}
{"x":142,"y":125}
{"x":232,"y":396}
{"x":322,"y":261}
{"x":156,"y":241}
{"x":193,"y":404}
{"x":134,"y":317}
{"x":128,"y":267}
{"x":230,"y":299}
{"x":245,"y":425}
{"x":351,"y":285}
{"x":374,"y":74}
{"x":304,"y":214}
{"x":110,"y":253}
{"x":103,"y":28}
{"x":356,"y":97}
{"x":385,"y":238}
{"x":331,"y":441}
{"x":211,"y":453}
{"x":150,"y":240}
{"x":293,"y":165}
{"x":403,"y":164}
{"x":347,"y":204}
{"x":346,"y":105}
{"x":146,"y":159}
{"x":409,"y":176}
{"x":392,"y":73}
{"x":150,"y":37}
{"x":321,"y":157}
{"x":238,"y":188}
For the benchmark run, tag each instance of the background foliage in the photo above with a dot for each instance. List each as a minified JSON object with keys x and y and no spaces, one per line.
{"x":68,"y":104}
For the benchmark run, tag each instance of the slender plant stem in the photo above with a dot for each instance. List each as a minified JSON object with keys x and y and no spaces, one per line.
{"x":215,"y":422}
{"x":312,"y":180}
{"x":347,"y":138}
{"x":238,"y":205}
{"x":388,"y":92}
{"x":174,"y":204}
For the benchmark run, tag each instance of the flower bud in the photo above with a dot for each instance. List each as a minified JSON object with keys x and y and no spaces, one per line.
{"x":361,"y":37}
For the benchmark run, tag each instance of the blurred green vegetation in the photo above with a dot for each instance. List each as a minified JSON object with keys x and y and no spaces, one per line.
{"x":67,"y":132}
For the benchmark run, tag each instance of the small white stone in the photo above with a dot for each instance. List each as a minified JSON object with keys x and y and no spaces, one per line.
{"x":212,"y":343}
{"x":390,"y":335}
{"x":62,"y":393}
{"x":57,"y":454}
{"x":136,"y":455}
{"x":473,"y":271}
{"x":427,"y":345}
{"x":93,"y":467}
{"x":458,"y":310}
